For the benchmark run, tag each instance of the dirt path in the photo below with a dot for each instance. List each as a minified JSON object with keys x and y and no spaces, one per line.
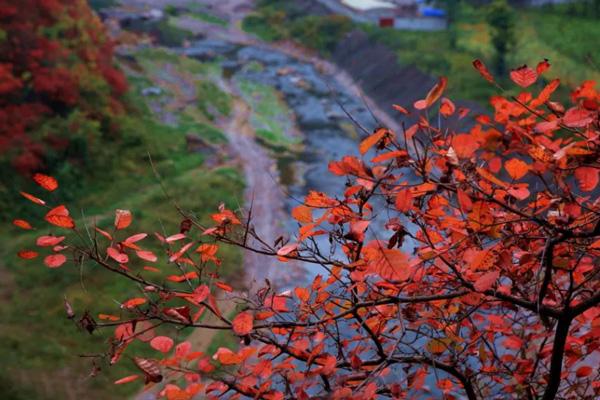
{"x":264,"y":197}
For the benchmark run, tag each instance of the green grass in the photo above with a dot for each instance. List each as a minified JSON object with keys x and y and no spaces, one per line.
{"x":206,"y":17}
{"x":568,"y":40}
{"x":211,"y":98}
{"x":270,"y":117}
{"x":32,"y":294}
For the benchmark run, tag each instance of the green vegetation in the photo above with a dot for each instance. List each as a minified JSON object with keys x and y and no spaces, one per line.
{"x":547,"y":32}
{"x":125,"y":180}
{"x":279,"y":20}
{"x":211,"y":98}
{"x":206,"y":17}
{"x":270,"y":117}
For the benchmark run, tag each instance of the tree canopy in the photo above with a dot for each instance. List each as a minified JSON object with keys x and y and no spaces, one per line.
{"x":462,"y":255}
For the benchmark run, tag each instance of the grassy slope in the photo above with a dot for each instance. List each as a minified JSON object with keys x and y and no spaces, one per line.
{"x":540,"y":34}
{"x":34,"y":335}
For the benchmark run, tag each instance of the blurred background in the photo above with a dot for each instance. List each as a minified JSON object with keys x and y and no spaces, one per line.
{"x":234,"y":101}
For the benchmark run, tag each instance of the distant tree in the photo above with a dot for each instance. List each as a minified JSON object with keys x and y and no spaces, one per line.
{"x":464,"y":259}
{"x":56,"y":61}
{"x":501,"y":18}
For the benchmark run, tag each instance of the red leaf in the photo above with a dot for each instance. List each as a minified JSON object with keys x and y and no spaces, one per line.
{"x":21,"y":223}
{"x":104,"y":233}
{"x":162,"y":343}
{"x":372,"y":140}
{"x":400,"y":109}
{"x":116,"y":255}
{"x":287,"y":249}
{"x":404,"y":200}
{"x":584,"y":371}
{"x":302,"y":293}
{"x":587,"y":178}
{"x":464,"y":145}
{"x":136,"y":301}
{"x":447,"y":107}
{"x":146,"y":255}
{"x":55,"y":260}
{"x":184,"y":277}
{"x":486,"y":281}
{"x":45,"y":181}
{"x":513,"y":342}
{"x":482,"y":69}
{"x":542,"y":66}
{"x":516,"y":168}
{"x":224,"y":286}
{"x":243,"y":323}
{"x":433,"y":95}
{"x":302,"y":214}
{"x":122,"y":219}
{"x":464,"y":200}
{"x":49,"y":241}
{"x":127,"y":379}
{"x":59,"y":216}
{"x":577,"y":117}
{"x":27,"y":254}
{"x":32,"y":198}
{"x":181,"y":251}
{"x":523,"y":76}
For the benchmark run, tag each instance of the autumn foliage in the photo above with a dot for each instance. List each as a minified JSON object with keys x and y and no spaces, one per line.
{"x":56,"y":61}
{"x":462,"y":261}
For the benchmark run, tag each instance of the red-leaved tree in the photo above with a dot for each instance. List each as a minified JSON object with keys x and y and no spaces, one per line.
{"x":55,"y":57}
{"x":463,"y":263}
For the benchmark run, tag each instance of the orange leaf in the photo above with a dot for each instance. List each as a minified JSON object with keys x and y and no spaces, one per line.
{"x":447,"y":107}
{"x":122,"y":219}
{"x":116,"y":255}
{"x":400,"y":109}
{"x":486,"y":281}
{"x":21,"y":223}
{"x":542,"y":66}
{"x":587,"y":177}
{"x":482,"y":69}
{"x":577,"y":117}
{"x":162,"y":343}
{"x":59,"y":216}
{"x":433,"y":95}
{"x":226,"y":356}
{"x":287,"y":249}
{"x":55,"y":260}
{"x":136,"y":301}
{"x":32,"y":198}
{"x":302,"y":214}
{"x":523,"y":76}
{"x":464,"y":145}
{"x":516,"y":168}
{"x":45,"y":181}
{"x":180,"y":252}
{"x":404,"y":200}
{"x":127,"y":379}
{"x":27,"y":254}
{"x":464,"y":200}
{"x":103,"y":233}
{"x":243,"y":323}
{"x":302,"y":293}
{"x":372,"y":140}
{"x":184,"y":277}
{"x":513,"y":342}
{"x":146,"y":255}
{"x":224,"y":286}
{"x":49,"y":241}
